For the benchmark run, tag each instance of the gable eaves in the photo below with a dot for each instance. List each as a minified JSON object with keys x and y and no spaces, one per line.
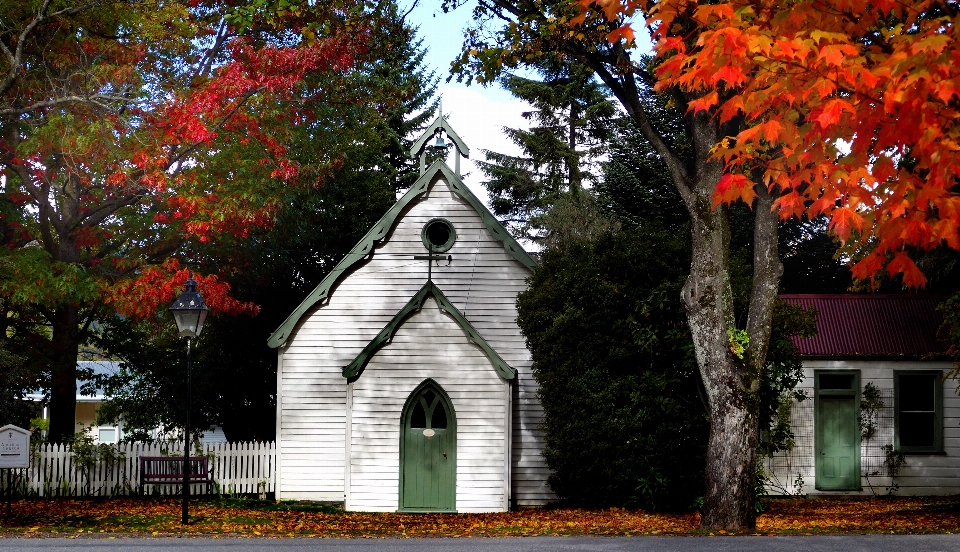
{"x":353,"y":370}
{"x":493,"y":225}
{"x":383,"y":227}
{"x":438,"y":124}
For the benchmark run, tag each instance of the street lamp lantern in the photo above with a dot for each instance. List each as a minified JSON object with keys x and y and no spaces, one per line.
{"x":190,"y":312}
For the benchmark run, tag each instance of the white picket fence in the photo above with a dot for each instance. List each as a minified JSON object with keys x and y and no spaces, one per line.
{"x":237,"y":468}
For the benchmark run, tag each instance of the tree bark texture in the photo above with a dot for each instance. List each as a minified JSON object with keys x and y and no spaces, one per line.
{"x":65,"y":343}
{"x":708,"y":300}
{"x":731,"y":382}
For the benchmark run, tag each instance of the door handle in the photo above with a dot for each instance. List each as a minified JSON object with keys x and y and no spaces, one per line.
{"x":444,"y":455}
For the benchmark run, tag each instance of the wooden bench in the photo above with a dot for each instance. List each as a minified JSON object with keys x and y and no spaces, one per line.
{"x":168,"y":470}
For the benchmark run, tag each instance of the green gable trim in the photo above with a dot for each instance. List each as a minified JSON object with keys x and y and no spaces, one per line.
{"x":382,"y":228}
{"x":440,"y":122}
{"x":353,"y":370}
{"x":359,"y":251}
{"x":493,"y":225}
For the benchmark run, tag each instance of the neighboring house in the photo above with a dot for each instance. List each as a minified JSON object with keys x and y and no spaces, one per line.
{"x":404,"y":383}
{"x":890,"y":342}
{"x":88,"y":404}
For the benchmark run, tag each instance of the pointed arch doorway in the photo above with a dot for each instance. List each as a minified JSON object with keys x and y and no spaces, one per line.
{"x":428,"y":451}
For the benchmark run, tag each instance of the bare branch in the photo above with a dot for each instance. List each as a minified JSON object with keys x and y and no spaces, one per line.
{"x":96,"y":99}
{"x":15,"y":58}
{"x":210,"y":56}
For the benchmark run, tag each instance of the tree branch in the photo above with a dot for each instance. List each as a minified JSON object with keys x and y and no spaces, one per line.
{"x":93,"y":99}
{"x":15,"y":58}
{"x":767,"y":270}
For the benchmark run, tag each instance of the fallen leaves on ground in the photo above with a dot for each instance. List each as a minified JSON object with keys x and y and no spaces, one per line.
{"x":254,"y":518}
{"x":897,"y":515}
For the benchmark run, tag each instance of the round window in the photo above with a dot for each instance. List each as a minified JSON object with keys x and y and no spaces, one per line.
{"x":438,"y":235}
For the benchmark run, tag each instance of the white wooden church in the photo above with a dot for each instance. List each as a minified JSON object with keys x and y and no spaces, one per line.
{"x":404,"y":383}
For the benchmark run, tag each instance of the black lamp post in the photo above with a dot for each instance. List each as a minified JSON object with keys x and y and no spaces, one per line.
{"x":190,"y":312}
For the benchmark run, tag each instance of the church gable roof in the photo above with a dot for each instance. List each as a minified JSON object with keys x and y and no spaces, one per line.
{"x":438,"y":125}
{"x":438,"y":170}
{"x":353,"y":370}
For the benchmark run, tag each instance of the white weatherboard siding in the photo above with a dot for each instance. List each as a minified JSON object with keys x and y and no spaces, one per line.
{"x":482,"y":280}
{"x":922,"y":474}
{"x":430,"y":344}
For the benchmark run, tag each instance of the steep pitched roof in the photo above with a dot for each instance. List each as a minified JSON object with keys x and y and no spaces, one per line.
{"x":365,"y":247}
{"x":871,"y":325}
{"x":439,"y":124}
{"x":353,"y":370}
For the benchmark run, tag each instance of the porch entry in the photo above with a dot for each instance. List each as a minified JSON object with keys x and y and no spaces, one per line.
{"x":428,"y":451}
{"x":837,"y":431}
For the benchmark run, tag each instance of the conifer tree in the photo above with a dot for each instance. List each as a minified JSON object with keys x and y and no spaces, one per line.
{"x":569,"y":125}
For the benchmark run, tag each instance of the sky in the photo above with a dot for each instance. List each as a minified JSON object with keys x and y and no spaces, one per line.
{"x":477,"y":113}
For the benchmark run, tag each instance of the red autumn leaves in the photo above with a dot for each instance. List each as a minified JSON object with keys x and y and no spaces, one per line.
{"x":157,"y":517}
{"x":144,"y":127}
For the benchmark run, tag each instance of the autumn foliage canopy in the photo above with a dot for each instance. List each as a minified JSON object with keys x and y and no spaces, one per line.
{"x":845,"y":108}
{"x":131,"y":129}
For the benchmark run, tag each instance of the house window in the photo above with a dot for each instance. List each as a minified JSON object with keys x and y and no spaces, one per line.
{"x":918,"y":407}
{"x":107,"y":435}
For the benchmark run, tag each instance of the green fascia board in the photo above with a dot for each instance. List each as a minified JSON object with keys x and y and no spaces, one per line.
{"x":383,"y":227}
{"x":359,"y":251}
{"x":440,"y":122}
{"x":493,"y":225}
{"x":353,"y":370}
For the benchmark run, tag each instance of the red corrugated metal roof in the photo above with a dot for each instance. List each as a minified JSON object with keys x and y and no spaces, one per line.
{"x":871,"y":325}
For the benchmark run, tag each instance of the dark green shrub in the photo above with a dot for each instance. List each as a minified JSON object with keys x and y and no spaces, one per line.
{"x":624,"y":420}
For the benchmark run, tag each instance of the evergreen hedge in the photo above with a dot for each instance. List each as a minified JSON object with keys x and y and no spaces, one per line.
{"x":624,"y":421}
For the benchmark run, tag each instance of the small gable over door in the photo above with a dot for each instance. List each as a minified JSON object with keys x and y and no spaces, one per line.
{"x":430,"y":377}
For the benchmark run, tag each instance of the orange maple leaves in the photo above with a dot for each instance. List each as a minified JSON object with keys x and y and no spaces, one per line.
{"x":161,"y":517}
{"x":852,"y":110}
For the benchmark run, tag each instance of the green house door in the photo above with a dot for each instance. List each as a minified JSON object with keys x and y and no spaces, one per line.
{"x":428,"y":451}
{"x":837,"y":431}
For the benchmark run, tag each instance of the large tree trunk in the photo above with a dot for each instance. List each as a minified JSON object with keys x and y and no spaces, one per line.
{"x":731,"y":381}
{"x":732,"y":449}
{"x":63,"y":388}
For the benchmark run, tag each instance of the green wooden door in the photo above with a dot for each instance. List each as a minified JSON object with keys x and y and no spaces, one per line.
{"x":837,"y":433}
{"x":428,"y":447}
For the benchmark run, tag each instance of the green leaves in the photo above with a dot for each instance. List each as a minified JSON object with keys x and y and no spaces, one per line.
{"x":559,"y":153}
{"x":30,"y":276}
{"x":527,"y":32}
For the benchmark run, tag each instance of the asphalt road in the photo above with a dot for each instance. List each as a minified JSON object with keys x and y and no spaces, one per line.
{"x":844,"y":543}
